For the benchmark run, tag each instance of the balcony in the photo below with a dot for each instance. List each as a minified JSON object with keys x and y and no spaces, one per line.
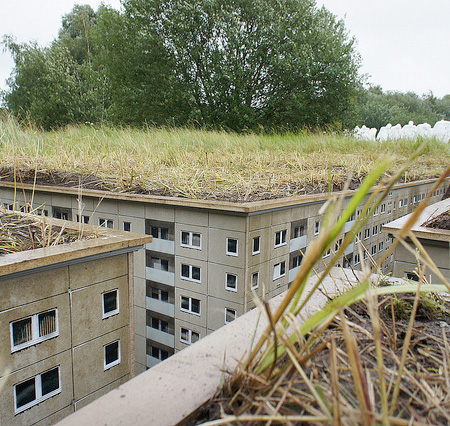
{"x":159,"y":306}
{"x":293,"y":273}
{"x":298,"y":243}
{"x":151,"y":362}
{"x":160,"y":276}
{"x":162,"y":246}
{"x":161,"y":337}
{"x":347,"y":226}
{"x":349,"y":249}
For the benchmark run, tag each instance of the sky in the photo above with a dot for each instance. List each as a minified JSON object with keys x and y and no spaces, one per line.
{"x":404,"y":45}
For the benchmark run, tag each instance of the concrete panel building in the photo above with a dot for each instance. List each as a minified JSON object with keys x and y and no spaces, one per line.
{"x":208,"y":258}
{"x":67,"y":329}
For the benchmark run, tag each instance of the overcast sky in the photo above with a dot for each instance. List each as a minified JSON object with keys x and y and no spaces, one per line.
{"x":404,"y":45}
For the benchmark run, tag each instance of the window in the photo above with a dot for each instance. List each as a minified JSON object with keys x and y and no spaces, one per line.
{"x":159,"y":294}
{"x":43,"y":212}
{"x":400,"y":203}
{"x":188,"y":336}
{"x":374,"y":249}
{"x":316,"y":228}
{"x":297,"y":260}
{"x":191,"y":305}
{"x":34,"y":329}
{"x":390,"y":194}
{"x":107,"y":223}
{"x":375,"y":230}
{"x":365,"y":254}
{"x":357,"y":260}
{"x":256,"y":245}
{"x":158,"y":263}
{"x":230,"y":315}
{"x":159,"y":232}
{"x":190,"y":273}
{"x":255,"y":280}
{"x":337,"y":244}
{"x":375,"y":211}
{"x":84,"y":218}
{"x":327,"y":253}
{"x":366,"y":233}
{"x":37,"y":389}
{"x":381,"y":246}
{"x":231,"y":282}
{"x":383,"y":208}
{"x":112,"y":354}
{"x":127,"y":226}
{"x":279,"y":270}
{"x":299,"y":231}
{"x":359,"y":236}
{"x":191,"y":240}
{"x":158,"y":353}
{"x":405,"y":203}
{"x":232,"y":246}
{"x":412,"y":276}
{"x":110,"y":303}
{"x":159,"y":291}
{"x":62,"y":213}
{"x":160,"y":324}
{"x":280,"y":238}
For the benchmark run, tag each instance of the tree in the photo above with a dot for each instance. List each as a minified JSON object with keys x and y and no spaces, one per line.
{"x":242,"y":64}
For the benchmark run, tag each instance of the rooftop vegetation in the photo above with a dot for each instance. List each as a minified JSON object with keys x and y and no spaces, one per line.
{"x":203,"y":164}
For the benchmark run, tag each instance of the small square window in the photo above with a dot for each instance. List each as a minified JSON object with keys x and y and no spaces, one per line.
{"x":191,"y":240}
{"x":107,"y":223}
{"x":231,"y":282}
{"x":230,"y":315}
{"x":280,"y":238}
{"x":191,"y":273}
{"x":255,"y":280}
{"x":256,"y":245}
{"x":127,"y":226}
{"x":232,"y":246}
{"x":112,"y":354}
{"x":110,"y":303}
{"x":316,"y":228}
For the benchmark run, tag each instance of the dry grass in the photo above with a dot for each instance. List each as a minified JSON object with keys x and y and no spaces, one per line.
{"x":206,"y":164}
{"x":25,"y":231}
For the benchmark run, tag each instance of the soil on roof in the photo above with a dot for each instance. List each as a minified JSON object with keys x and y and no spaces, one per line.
{"x":440,"y":222}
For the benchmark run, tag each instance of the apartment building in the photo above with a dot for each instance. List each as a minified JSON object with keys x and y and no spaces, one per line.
{"x":208,"y":258}
{"x":66,"y":333}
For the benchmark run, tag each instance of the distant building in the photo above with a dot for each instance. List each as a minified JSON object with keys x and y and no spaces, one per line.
{"x":208,"y":257}
{"x":66,"y":334}
{"x":436,"y":242}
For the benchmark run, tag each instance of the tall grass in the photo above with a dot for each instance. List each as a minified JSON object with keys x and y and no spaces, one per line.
{"x":199,"y":163}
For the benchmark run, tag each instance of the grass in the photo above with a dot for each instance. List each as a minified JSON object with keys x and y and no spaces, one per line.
{"x":209,"y":164}
{"x":347,"y":364}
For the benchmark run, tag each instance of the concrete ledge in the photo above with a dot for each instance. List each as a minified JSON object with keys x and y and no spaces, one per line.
{"x":173,"y":389}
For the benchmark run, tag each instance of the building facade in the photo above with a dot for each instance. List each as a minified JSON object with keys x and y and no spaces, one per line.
{"x":208,"y":259}
{"x":67,"y":334}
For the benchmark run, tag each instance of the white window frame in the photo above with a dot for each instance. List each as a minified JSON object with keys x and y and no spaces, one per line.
{"x":316,"y":228}
{"x":105,"y":222}
{"x":375,"y":211}
{"x":114,"y":311}
{"x":35,"y":338}
{"x":190,"y":332}
{"x":277,"y":270}
{"x":282,"y":237}
{"x":327,"y":253}
{"x":231,"y":311}
{"x":357,"y":259}
{"x":366,"y":233}
{"x":190,"y":244}
{"x":383,"y":208}
{"x":234,"y":289}
{"x":189,"y":310}
{"x":116,"y":361}
{"x":190,"y":276}
{"x":375,"y":230}
{"x":232,"y":253}
{"x":374,"y":250}
{"x":38,"y":389}
{"x":129,"y":223}
{"x":254,"y":287}
{"x":380,"y":246}
{"x":258,"y":238}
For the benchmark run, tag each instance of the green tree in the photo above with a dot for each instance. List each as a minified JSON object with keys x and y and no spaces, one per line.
{"x":241,"y":64}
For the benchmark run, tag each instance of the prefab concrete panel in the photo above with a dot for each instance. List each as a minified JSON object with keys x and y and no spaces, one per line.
{"x":200,"y":253}
{"x":227,"y":222}
{"x":191,"y":217}
{"x":34,"y":286}
{"x":188,"y":282}
{"x":87,"y":310}
{"x":264,"y":246}
{"x":217,"y":282}
{"x":218,"y":240}
{"x":131,"y":210}
{"x":158,"y":212}
{"x":190,"y":317}
{"x":216,"y":311}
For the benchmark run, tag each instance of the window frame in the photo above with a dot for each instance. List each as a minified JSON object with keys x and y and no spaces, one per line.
{"x":258,"y":251}
{"x":114,"y":311}
{"x":190,"y":334}
{"x":105,"y":222}
{"x":256,"y":274}
{"x":190,"y":243}
{"x":37,"y":391}
{"x":281,"y":235}
{"x":190,"y":274}
{"x":189,"y":310}
{"x":35,"y":338}
{"x":232,"y":253}
{"x":128,"y":225}
{"x":279,"y":270}
{"x":116,"y":361}
{"x":233,"y":289}
{"x":317,"y":227}
{"x":232,"y":311}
